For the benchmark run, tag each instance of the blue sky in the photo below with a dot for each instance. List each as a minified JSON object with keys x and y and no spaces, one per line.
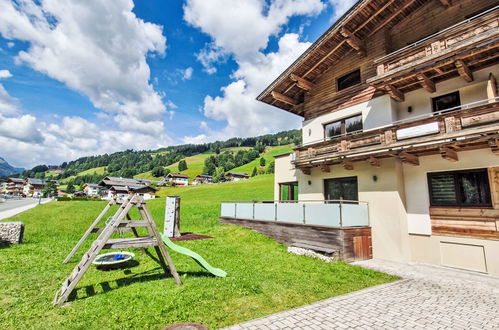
{"x":84,"y":77}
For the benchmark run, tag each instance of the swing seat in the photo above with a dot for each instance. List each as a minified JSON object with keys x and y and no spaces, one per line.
{"x":113,"y":258}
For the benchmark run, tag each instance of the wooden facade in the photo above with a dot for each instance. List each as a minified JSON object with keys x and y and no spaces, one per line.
{"x":351,"y":243}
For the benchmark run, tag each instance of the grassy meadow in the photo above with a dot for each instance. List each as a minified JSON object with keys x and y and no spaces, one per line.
{"x":262,"y":277}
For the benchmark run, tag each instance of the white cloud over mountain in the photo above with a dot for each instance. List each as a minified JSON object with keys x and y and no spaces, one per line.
{"x":243,"y":29}
{"x":97,"y":48}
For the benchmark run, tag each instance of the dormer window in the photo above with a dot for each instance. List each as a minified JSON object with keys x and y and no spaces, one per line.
{"x":348,"y":80}
{"x":343,"y":126}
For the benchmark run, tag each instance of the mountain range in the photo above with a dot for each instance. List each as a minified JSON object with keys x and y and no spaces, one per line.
{"x":7,"y":169}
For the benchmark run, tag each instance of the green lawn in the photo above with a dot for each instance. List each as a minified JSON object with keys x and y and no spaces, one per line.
{"x":269,"y":154}
{"x":263,"y":278}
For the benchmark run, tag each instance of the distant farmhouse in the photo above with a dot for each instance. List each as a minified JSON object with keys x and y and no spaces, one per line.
{"x":91,"y":189}
{"x":177,"y":179}
{"x":111,"y":186}
{"x":236,"y":176}
{"x":202,"y":179}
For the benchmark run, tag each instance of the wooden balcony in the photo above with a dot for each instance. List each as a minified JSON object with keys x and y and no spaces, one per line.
{"x":456,"y":51}
{"x":468,"y":127}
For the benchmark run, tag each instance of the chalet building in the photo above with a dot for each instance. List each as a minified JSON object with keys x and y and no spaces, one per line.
{"x":236,"y":176}
{"x":34,"y":187}
{"x":177,"y":179}
{"x":91,"y":189}
{"x":202,"y":179}
{"x":111,"y":186}
{"x":14,"y":186}
{"x":401,"y":112}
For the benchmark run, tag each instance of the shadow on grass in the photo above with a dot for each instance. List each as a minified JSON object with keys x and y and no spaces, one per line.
{"x":4,"y":245}
{"x":107,"y":286}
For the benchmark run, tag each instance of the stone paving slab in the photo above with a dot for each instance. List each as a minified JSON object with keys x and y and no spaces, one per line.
{"x":428,"y":297}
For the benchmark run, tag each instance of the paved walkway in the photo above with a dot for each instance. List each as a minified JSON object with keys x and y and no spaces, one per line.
{"x":11,"y":207}
{"x":428,"y":297}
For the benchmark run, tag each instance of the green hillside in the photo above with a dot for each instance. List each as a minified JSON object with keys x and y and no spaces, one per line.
{"x":98,"y":170}
{"x":195,"y":166}
{"x":269,"y":154}
{"x":263,"y":278}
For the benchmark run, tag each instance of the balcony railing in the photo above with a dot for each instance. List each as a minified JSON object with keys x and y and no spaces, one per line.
{"x":460,"y":37}
{"x":328,"y":213}
{"x":425,"y":131}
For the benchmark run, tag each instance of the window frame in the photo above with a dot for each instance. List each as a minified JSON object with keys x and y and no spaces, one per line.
{"x":434,"y":101}
{"x":291,"y":186}
{"x":458,"y":191}
{"x":343,"y":128}
{"x":345,"y":75}
{"x":341,"y":179}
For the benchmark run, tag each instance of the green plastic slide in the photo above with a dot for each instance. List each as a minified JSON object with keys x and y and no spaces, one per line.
{"x":200,"y":260}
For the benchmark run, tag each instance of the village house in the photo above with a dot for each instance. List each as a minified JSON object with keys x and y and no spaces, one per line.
{"x":400,"y":135}
{"x":91,"y":189}
{"x":111,"y":186}
{"x":177,"y":179}
{"x":33,"y":187}
{"x":236,"y":176}
{"x":202,"y":179}
{"x":14,"y":186}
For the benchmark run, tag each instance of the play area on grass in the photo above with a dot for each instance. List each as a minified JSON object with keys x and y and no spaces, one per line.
{"x":262,"y":277}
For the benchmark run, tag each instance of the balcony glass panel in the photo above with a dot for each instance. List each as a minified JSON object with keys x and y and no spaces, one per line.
{"x":264,"y":211}
{"x":322,"y":214}
{"x":244,"y":211}
{"x":290,"y":212}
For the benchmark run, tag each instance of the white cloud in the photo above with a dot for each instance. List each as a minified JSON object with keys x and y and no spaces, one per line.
{"x":340,"y":7}
{"x":242,"y":27}
{"x":10,"y":44}
{"x":23,"y":128}
{"x":187,"y":74}
{"x":97,"y":48}
{"x":5,"y":74}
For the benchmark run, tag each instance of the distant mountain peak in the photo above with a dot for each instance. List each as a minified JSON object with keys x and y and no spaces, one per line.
{"x":7,"y":169}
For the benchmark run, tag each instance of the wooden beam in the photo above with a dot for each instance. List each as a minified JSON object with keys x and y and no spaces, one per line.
{"x":324,"y":57}
{"x":306,"y":170}
{"x":374,"y":161}
{"x":302,"y":83}
{"x":449,"y":154}
{"x":352,"y":40}
{"x":347,"y":165}
{"x":494,"y":146}
{"x":395,"y":93}
{"x":283,"y":98}
{"x":491,"y":88}
{"x":426,"y":83}
{"x":325,"y":168}
{"x":463,"y":70}
{"x":408,"y":158}
{"x":446,"y":3}
{"x":392,"y":16}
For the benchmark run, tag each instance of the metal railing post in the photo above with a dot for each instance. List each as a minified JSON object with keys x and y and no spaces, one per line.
{"x":275,"y":211}
{"x":304,"y":213}
{"x":254,"y":210}
{"x":341,"y":213}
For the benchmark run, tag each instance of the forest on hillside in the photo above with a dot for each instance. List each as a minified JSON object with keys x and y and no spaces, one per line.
{"x":129,"y":162}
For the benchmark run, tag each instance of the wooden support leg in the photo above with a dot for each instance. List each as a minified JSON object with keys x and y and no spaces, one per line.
{"x":162,"y":261}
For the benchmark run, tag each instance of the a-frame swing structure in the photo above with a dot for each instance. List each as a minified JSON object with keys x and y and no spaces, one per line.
{"x":116,"y":223}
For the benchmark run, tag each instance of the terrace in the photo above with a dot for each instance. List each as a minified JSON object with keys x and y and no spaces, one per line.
{"x":323,"y":225}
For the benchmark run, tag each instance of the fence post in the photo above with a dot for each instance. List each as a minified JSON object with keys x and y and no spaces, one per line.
{"x":341,"y":213}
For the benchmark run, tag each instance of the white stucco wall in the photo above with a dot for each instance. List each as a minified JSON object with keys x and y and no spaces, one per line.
{"x":420,"y":99}
{"x":376,"y":112}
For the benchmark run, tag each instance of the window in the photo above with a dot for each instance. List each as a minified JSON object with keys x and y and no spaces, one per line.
{"x":459,"y":188}
{"x":344,"y":126}
{"x":348,"y":80}
{"x":288,"y":191}
{"x":341,"y":189}
{"x":446,"y":101}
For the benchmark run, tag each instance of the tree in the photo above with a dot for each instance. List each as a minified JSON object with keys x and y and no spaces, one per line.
{"x":70,"y":188}
{"x":219,"y":174}
{"x":158,"y":171}
{"x":49,"y":189}
{"x":271,"y":168}
{"x":255,"y":172}
{"x":182,"y":165}
{"x":262,"y":161}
